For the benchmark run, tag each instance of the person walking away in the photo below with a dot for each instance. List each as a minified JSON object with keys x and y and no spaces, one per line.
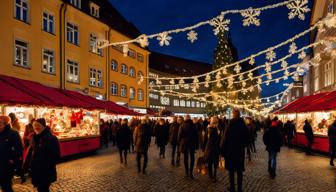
{"x":123,"y":139}
{"x":188,"y":141}
{"x":115,"y":127}
{"x":43,"y":154}
{"x":28,"y":132}
{"x":212,"y":148}
{"x":162,"y":134}
{"x":173,"y":133}
{"x":289,"y":129}
{"x":10,"y":154}
{"x":236,"y":138}
{"x":332,"y":141}
{"x":103,"y":133}
{"x":142,"y":138}
{"x":308,"y":130}
{"x":251,"y":129}
{"x":273,"y":140}
{"x":14,"y":122}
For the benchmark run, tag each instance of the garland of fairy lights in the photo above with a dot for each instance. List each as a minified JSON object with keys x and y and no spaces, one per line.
{"x":297,"y":8}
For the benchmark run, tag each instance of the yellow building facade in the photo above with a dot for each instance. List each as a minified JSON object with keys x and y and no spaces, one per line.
{"x":53,"y":42}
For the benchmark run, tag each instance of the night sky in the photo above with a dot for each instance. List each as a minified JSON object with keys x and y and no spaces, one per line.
{"x":153,"y":16}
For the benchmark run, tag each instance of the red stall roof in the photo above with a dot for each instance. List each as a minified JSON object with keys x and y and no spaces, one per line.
{"x":12,"y":95}
{"x":325,"y":103}
{"x":318,"y":102}
{"x":46,"y":95}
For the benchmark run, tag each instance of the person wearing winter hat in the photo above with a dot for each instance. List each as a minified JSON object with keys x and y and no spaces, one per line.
{"x":11,"y":150}
{"x":44,"y":153}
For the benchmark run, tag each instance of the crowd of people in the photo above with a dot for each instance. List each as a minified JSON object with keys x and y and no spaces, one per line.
{"x":216,"y":138}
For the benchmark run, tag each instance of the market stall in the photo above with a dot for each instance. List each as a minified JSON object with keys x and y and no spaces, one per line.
{"x":319,"y":110}
{"x":72,"y":117}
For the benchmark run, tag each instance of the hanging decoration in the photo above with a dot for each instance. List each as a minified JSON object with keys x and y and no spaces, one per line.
{"x":192,"y":36}
{"x":164,"y":39}
{"x":220,"y":24}
{"x":250,"y":17}
{"x":292,"y":48}
{"x":270,"y":55}
{"x":298,"y":8}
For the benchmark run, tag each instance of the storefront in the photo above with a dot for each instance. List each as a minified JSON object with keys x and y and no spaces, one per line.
{"x":319,"y":110}
{"x":72,"y":117}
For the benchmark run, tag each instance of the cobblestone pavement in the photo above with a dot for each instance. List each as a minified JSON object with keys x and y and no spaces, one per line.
{"x":102,"y":172}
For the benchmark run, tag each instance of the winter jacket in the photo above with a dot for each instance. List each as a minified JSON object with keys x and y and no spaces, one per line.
{"x":123,"y":137}
{"x":10,"y":153}
{"x":188,"y":136}
{"x":272,"y":139}
{"x":142,"y":138}
{"x":173,"y":133}
{"x":43,"y":155}
{"x":308,"y":132}
{"x":161,"y":134}
{"x":332,"y":136}
{"x":236,"y":138}
{"x":212,"y":147}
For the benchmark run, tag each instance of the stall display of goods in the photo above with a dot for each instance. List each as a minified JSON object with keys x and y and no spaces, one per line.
{"x":71,"y":123}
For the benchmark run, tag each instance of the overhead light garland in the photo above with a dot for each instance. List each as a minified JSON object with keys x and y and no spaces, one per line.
{"x":297,"y":8}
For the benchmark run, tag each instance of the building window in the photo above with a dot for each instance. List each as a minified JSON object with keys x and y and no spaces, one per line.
{"x":123,"y":90}
{"x":153,"y":96}
{"x":131,"y":53}
{"x":140,"y":57}
{"x":94,"y":9}
{"x":132,"y":93}
{"x":176,"y":103}
{"x":140,"y":94}
{"x":188,"y":104}
{"x":329,"y":74}
{"x":114,"y":88}
{"x":165,"y":100}
{"x":48,"y":22}
{"x":96,"y":78}
{"x":132,"y":72}
{"x":197,"y":104}
{"x":21,"y":10}
{"x":202,"y":105}
{"x":93,"y":45}
{"x":297,"y":93}
{"x":176,"y":87}
{"x":76,"y":3}
{"x":114,"y":65}
{"x":72,"y":71}
{"x":316,"y":79}
{"x":331,"y":7}
{"x":123,"y":69}
{"x":48,"y":62}
{"x":21,"y":53}
{"x":182,"y":103}
{"x":72,"y":34}
{"x":193,"y":104}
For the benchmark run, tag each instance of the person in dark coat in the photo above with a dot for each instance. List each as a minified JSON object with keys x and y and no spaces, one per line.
{"x":11,"y":150}
{"x":103,"y":127}
{"x":173,"y":133}
{"x":273,"y":140}
{"x":236,"y":139}
{"x":290,"y":132}
{"x":332,"y":142}
{"x":123,"y":139}
{"x":43,"y":154}
{"x":28,"y":132}
{"x":161,"y":134}
{"x":308,"y":130}
{"x":212,"y":148}
{"x":188,"y":140}
{"x":142,"y":138}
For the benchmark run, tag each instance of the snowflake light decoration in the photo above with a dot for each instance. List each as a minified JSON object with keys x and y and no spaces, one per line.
{"x":270,"y":55}
{"x":220,"y":24}
{"x":268,"y":67}
{"x":181,"y":81}
{"x":224,"y":71}
{"x":241,"y":77}
{"x":292,"y":48}
{"x":143,"y":41}
{"x":302,"y":55}
{"x":284,"y":64}
{"x":164,"y":39}
{"x":192,"y":36}
{"x":237,"y":68}
{"x":172,"y":82}
{"x":298,"y":8}
{"x":252,"y":61}
{"x":243,"y":84}
{"x":250,"y":75}
{"x":219,"y":84}
{"x":250,"y":17}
